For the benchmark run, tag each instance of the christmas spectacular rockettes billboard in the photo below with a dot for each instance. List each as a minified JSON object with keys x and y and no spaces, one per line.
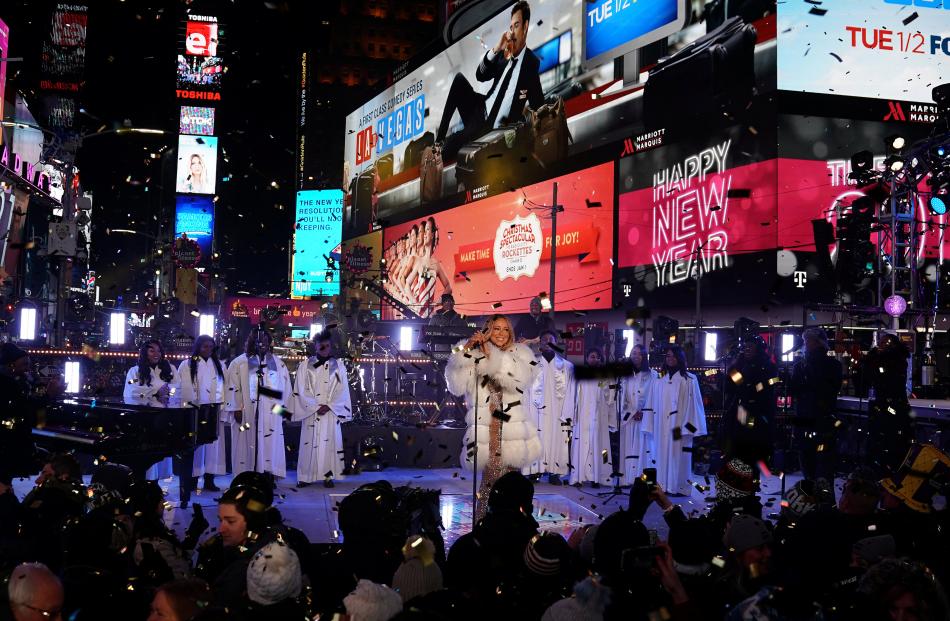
{"x":494,"y":255}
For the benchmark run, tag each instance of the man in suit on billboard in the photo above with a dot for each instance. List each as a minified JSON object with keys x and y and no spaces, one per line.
{"x":513,"y":71}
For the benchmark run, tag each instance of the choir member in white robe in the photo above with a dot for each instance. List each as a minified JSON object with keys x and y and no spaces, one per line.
{"x":202,"y":384}
{"x":322,"y":395}
{"x":636,"y":422}
{"x":590,"y":442}
{"x":152,"y":382}
{"x":551,"y":408}
{"x":257,"y":434}
{"x":679,"y":416}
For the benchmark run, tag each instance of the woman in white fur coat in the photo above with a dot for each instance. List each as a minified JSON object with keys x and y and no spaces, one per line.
{"x":502,"y":371}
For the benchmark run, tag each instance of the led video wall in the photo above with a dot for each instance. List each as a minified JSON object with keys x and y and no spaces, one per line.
{"x":315,"y":267}
{"x":495,"y":255}
{"x":197,"y":164}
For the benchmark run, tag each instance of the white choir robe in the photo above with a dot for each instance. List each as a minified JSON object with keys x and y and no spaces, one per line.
{"x":137,"y":394}
{"x":207,"y":388}
{"x":636,"y":437}
{"x":266,"y":437}
{"x":321,"y":437}
{"x":596,"y":404}
{"x":551,"y":408}
{"x":677,"y":404}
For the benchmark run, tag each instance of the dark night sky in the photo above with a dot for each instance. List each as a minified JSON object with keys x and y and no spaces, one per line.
{"x":130,"y":78}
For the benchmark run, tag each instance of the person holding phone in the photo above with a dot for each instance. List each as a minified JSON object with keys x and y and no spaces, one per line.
{"x":494,"y":373}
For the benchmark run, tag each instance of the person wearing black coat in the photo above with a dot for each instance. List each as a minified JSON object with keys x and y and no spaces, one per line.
{"x":815,"y":382}
{"x":890,"y":426}
{"x":749,"y":422}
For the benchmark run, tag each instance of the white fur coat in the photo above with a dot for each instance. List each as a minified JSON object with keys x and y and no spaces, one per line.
{"x":515,"y":371}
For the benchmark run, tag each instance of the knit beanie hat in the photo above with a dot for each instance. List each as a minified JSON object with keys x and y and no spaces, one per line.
{"x":590,"y":600}
{"x":803,"y":498}
{"x":273,"y":574}
{"x":746,"y":532}
{"x":734,"y":480}
{"x":372,"y":602}
{"x":544,"y":554}
{"x":419,"y":574}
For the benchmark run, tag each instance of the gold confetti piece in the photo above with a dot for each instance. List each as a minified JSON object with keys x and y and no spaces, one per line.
{"x":735,"y":376}
{"x":774,"y":381}
{"x":759,"y":387}
{"x":711,"y":372}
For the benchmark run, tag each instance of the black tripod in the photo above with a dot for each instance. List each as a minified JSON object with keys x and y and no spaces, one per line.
{"x":616,"y":475}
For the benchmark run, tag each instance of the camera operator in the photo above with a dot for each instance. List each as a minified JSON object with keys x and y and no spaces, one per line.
{"x":815,"y":382}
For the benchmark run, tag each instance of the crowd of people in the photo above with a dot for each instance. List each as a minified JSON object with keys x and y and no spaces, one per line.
{"x":104,"y":551}
{"x":873,"y":549}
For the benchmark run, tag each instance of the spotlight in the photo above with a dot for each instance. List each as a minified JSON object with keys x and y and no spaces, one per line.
{"x":861,"y":162}
{"x":206,"y":325}
{"x":27,"y":323}
{"x":117,"y":329}
{"x":630,"y":339}
{"x":894,"y":163}
{"x":788,"y":342}
{"x":405,"y":338}
{"x":895,"y":144}
{"x":895,"y":305}
{"x":72,"y":376}
{"x":315,"y":329}
{"x":709,"y":349}
{"x":938,"y":203}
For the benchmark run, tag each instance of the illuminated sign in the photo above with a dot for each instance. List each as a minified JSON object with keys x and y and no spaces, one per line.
{"x":200,"y":72}
{"x":614,"y":27}
{"x":201,"y":38}
{"x":194,"y":217}
{"x":317,"y":236}
{"x":33,"y":174}
{"x":197,"y":164}
{"x":196,"y":120}
{"x":189,"y":94}
{"x":4,"y":46}
{"x":848,"y":48}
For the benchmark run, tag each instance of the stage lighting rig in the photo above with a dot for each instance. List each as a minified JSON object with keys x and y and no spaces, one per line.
{"x":895,"y":144}
{"x":862,"y":168}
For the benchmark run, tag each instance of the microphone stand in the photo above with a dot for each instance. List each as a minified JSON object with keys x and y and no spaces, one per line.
{"x":617,"y":490}
{"x":475,"y":448}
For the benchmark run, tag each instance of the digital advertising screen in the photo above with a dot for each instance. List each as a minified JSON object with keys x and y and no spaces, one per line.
{"x":361,"y":259}
{"x":194,"y":217}
{"x":494,"y":255}
{"x":201,"y":36}
{"x":200,"y":72}
{"x":196,"y":121}
{"x":813,"y":184}
{"x":197,"y":164}
{"x":315,"y":266}
{"x":882,"y":49}
{"x":705,"y":205}
{"x":416,"y":103}
{"x":4,"y":46}
{"x":614,"y":27}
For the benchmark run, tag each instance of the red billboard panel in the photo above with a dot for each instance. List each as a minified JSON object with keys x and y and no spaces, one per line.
{"x":494,"y":255}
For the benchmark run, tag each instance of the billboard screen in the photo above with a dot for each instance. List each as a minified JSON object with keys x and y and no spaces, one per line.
{"x":201,"y":37}
{"x":360,"y":259}
{"x":4,"y":46}
{"x":194,"y":217}
{"x":844,"y":47}
{"x":494,"y":255}
{"x":196,"y":120}
{"x":200,"y":72}
{"x":197,"y":164}
{"x":416,"y":103}
{"x":315,"y":267}
{"x":614,"y":27}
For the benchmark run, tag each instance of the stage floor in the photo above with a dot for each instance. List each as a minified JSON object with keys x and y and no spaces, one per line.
{"x":557,"y":508}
